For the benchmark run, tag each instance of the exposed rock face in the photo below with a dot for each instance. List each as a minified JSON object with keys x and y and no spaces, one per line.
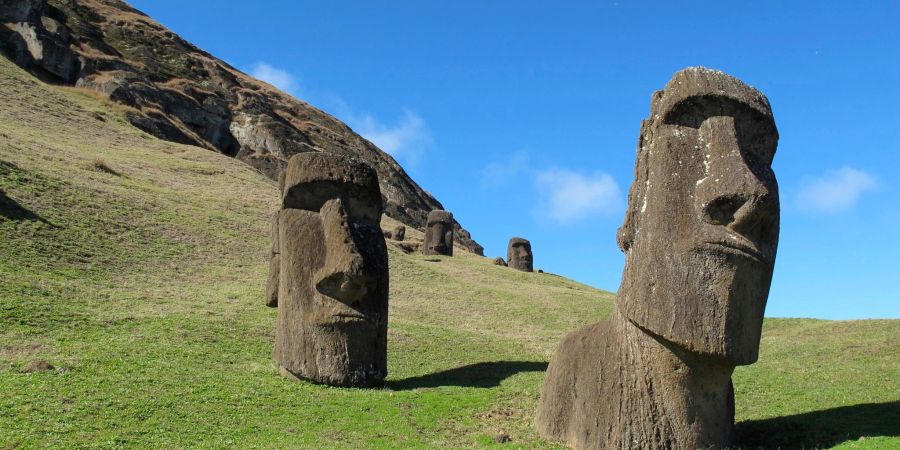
{"x":519,"y":255}
{"x":700,"y":236}
{"x":498,"y":261}
{"x":180,"y":93}
{"x":439,"y":234}
{"x":333,"y":289}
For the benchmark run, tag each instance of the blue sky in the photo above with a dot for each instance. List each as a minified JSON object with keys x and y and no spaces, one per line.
{"x":522,"y":117}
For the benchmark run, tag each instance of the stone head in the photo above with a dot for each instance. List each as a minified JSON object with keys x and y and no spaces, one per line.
{"x":701,"y":229}
{"x":334,"y":265}
{"x":439,"y":233}
{"x":519,"y":255}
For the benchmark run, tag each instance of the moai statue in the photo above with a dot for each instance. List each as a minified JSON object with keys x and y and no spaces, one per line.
{"x":519,"y":255}
{"x":399,"y":233}
{"x":439,"y":233}
{"x":274,"y":266}
{"x":700,"y":236}
{"x":333,"y":283}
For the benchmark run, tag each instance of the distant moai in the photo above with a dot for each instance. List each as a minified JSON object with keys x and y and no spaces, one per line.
{"x":439,"y":233}
{"x":700,"y":237}
{"x":399,"y":233}
{"x":519,"y":256}
{"x":332,"y":291}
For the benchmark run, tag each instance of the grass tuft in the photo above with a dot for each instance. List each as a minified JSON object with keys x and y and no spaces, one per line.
{"x":102,"y":166}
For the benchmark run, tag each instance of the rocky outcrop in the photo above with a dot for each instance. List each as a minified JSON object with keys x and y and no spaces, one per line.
{"x":178,"y":92}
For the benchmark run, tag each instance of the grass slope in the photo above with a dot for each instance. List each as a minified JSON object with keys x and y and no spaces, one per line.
{"x":136,"y":268}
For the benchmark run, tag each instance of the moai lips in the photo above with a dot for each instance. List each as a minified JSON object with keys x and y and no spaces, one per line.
{"x":333,"y":283}
{"x":700,"y":237}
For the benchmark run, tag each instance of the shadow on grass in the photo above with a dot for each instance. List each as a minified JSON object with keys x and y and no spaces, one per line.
{"x":821,"y":429}
{"x":482,"y":375}
{"x":12,"y":210}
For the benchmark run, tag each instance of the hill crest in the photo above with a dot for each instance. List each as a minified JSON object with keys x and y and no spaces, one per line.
{"x":180,"y":93}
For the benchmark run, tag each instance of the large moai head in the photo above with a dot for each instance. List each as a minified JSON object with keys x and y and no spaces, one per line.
{"x":439,"y":233}
{"x":519,"y":256}
{"x":701,"y":229}
{"x":333,"y":292}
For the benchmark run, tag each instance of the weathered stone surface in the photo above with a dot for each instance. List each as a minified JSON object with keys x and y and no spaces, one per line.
{"x":20,"y":10}
{"x":183,"y":94}
{"x":519,"y":255}
{"x":399,"y":233}
{"x":333,"y":283}
{"x":274,"y":266}
{"x":700,"y":237}
{"x":498,"y":261}
{"x":439,"y":233}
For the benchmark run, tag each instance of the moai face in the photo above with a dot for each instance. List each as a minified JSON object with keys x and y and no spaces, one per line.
{"x":518,"y":253}
{"x":333,"y":293}
{"x":439,"y":233}
{"x":701,"y":229}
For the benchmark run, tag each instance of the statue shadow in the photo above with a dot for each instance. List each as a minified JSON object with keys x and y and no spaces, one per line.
{"x":12,"y":210}
{"x":820,"y":429}
{"x":480,"y":375}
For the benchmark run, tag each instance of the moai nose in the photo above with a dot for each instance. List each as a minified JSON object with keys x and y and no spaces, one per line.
{"x":731,"y":194}
{"x":342,"y":277}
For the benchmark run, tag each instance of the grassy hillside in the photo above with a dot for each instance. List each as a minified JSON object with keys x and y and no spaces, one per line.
{"x":135,"y":267}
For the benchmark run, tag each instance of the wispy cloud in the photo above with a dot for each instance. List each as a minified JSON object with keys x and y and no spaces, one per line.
{"x":567,"y":196}
{"x":499,"y":173}
{"x":836,"y":191}
{"x":279,"y":78}
{"x":405,"y":140}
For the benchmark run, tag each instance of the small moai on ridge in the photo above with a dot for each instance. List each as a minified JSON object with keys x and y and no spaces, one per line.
{"x":700,"y":238}
{"x":333,"y":278}
{"x":399,"y":233}
{"x":519,"y":256}
{"x":439,"y":233}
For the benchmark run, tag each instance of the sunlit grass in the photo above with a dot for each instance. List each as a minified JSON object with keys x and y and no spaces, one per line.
{"x":143,"y":286}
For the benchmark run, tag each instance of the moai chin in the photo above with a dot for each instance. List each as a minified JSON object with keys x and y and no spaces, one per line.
{"x":519,"y":255}
{"x":700,"y":236}
{"x":439,"y":233}
{"x":333,"y":281}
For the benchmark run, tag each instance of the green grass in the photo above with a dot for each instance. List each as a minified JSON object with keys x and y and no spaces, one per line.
{"x":143,"y":287}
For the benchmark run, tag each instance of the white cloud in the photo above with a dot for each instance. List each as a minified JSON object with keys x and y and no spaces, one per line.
{"x":279,"y":78}
{"x":836,"y":191}
{"x":406,"y":140}
{"x":566,"y":196}
{"x":499,"y":173}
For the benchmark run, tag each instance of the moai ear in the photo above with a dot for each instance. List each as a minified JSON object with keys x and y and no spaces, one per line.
{"x":638,"y":191}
